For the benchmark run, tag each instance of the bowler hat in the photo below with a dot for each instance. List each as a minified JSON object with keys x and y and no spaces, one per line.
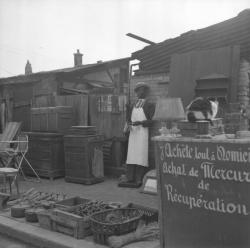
{"x":141,"y":84}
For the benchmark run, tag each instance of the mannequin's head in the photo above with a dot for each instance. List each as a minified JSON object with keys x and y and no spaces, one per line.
{"x":141,"y":90}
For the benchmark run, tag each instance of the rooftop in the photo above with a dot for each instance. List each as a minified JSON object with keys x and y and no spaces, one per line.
{"x":235,"y":31}
{"x":82,"y":68}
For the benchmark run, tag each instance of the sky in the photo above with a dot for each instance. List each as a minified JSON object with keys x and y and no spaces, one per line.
{"x":48,"y":32}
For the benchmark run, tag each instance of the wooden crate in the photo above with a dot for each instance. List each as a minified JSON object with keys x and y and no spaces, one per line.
{"x":70,"y":203}
{"x":189,"y":129}
{"x":52,"y":119}
{"x":70,"y":224}
{"x":80,"y":163}
{"x":44,"y":219}
{"x":46,"y":155}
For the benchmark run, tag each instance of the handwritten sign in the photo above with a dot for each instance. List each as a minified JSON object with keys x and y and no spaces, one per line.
{"x":205,"y":192}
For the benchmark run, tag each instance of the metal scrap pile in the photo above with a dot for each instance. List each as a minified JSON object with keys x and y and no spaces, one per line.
{"x":90,"y":208}
{"x":36,"y":198}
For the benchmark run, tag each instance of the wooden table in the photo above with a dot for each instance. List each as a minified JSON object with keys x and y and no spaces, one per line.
{"x":204,"y":187}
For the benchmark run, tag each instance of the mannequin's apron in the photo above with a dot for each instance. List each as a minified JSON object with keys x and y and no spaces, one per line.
{"x":138,"y":140}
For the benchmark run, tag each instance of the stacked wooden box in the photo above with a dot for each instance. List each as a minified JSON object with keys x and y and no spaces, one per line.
{"x":70,"y":224}
{"x":83,"y":155}
{"x":51,"y":119}
{"x":234,"y":119}
{"x":45,"y":154}
{"x":203,"y":127}
{"x":61,"y":220}
{"x":232,"y":122}
{"x":48,"y":124}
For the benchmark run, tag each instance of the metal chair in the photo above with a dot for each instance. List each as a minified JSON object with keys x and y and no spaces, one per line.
{"x":17,"y":154}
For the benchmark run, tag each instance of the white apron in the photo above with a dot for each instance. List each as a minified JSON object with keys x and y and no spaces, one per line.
{"x":138,"y":140}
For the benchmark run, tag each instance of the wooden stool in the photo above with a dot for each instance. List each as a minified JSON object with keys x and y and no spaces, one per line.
{"x":8,"y":174}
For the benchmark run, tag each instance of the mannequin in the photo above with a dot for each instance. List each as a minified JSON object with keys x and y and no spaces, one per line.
{"x":139,"y":119}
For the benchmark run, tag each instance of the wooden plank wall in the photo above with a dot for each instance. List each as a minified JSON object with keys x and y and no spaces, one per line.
{"x":182,"y":81}
{"x":107,"y":113}
{"x":7,"y":95}
{"x":44,"y":101}
{"x":186,"y":68}
{"x":22,"y":95}
{"x":48,"y":85}
{"x":158,"y":85}
{"x":78,"y":102}
{"x":235,"y":69}
{"x":80,"y":107}
{"x":22,"y":113}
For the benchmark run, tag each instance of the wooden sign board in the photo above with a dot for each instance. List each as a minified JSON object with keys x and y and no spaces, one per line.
{"x":204,"y":192}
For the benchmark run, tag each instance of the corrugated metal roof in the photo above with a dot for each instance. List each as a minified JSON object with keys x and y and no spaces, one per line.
{"x":235,"y":31}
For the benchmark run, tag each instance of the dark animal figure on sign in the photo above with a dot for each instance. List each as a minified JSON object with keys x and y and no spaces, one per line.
{"x":202,"y":109}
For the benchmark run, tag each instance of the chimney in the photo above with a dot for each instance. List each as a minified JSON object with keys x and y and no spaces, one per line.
{"x":77,"y":58}
{"x":28,"y":68}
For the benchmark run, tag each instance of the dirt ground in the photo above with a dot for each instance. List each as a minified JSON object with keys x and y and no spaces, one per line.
{"x":106,"y":191}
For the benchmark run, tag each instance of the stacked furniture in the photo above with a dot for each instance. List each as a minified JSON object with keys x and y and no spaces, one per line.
{"x":48,"y":124}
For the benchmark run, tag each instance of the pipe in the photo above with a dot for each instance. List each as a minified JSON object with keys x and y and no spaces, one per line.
{"x":140,"y":39}
{"x":129,"y":79}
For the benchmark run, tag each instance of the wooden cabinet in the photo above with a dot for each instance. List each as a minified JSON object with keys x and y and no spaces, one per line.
{"x":83,"y":158}
{"x":46,"y":154}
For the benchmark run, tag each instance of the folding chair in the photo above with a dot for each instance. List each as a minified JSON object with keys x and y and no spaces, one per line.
{"x":9,"y":133}
{"x":11,"y":130}
{"x":21,"y":151}
{"x":18,"y":155}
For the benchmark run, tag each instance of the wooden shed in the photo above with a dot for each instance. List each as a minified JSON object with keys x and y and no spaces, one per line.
{"x":76,"y":87}
{"x":212,"y":61}
{"x":197,"y":60}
